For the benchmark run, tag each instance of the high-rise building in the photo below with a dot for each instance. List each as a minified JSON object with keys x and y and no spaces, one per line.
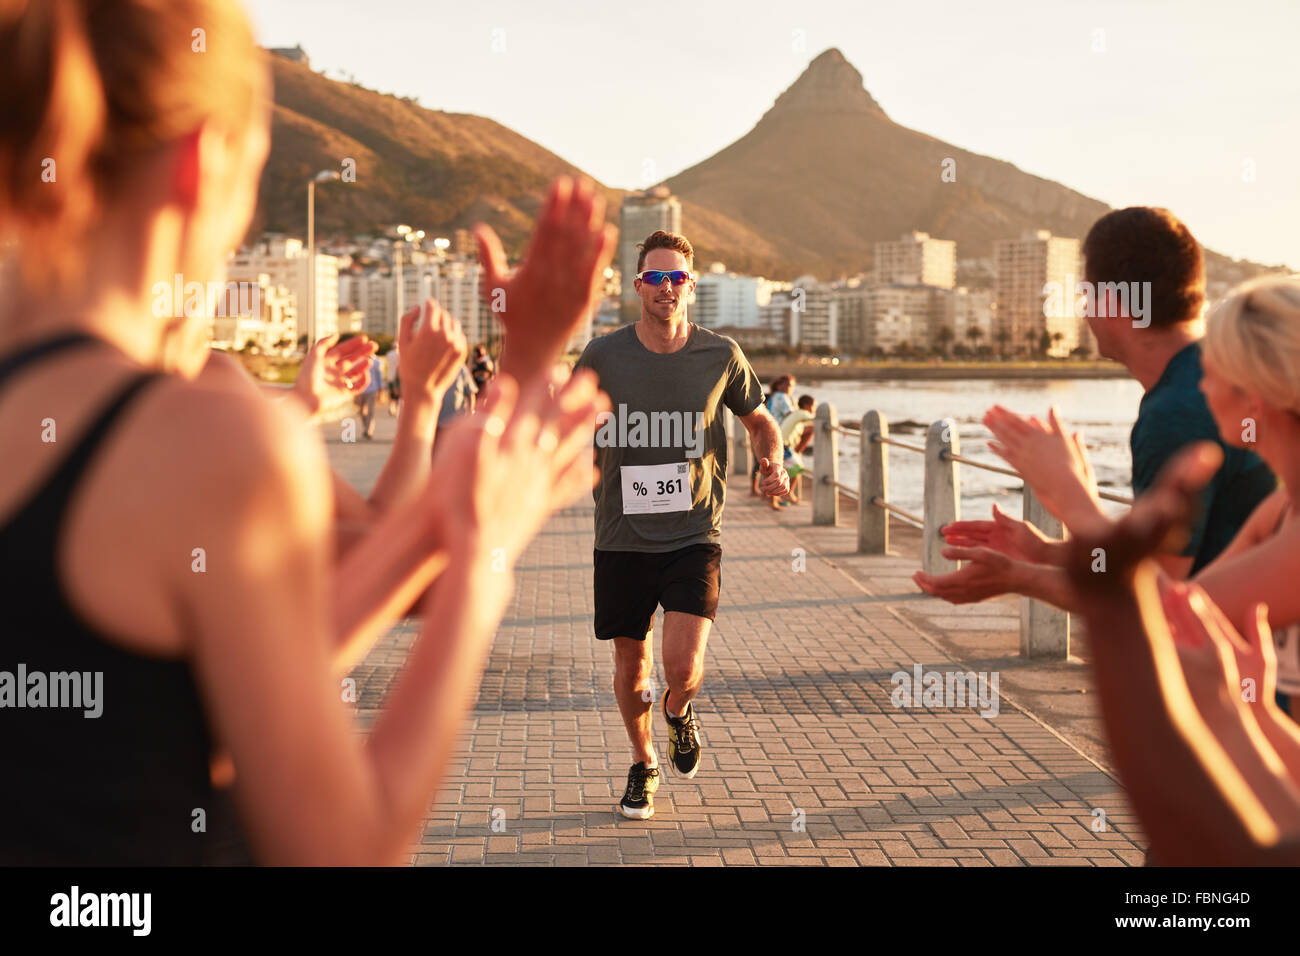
{"x":775,"y":317}
{"x":724,"y":298}
{"x":1027,"y":269}
{"x":452,"y":281}
{"x":285,"y":262}
{"x":373,"y":294}
{"x":266,"y":320}
{"x":906,"y":316}
{"x":967,"y":310}
{"x":853,"y":318}
{"x":642,"y":214}
{"x":916,"y":259}
{"x":874,"y":318}
{"x":812,"y":320}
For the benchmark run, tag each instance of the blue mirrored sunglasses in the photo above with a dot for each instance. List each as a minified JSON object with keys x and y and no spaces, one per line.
{"x":655,"y":277}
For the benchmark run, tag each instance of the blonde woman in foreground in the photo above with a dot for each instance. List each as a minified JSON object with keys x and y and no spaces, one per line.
{"x":121,"y":471}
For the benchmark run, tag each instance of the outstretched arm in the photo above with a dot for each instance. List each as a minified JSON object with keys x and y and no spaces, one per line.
{"x":433,"y":347}
{"x":556,"y":285}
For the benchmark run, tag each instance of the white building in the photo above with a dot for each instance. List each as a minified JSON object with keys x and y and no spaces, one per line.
{"x":916,"y":259}
{"x":1025,"y":269}
{"x":269,"y":321}
{"x":452,"y":281}
{"x":870,"y":317}
{"x":285,"y":262}
{"x":812,"y":320}
{"x":970,"y":309}
{"x":726,"y":299}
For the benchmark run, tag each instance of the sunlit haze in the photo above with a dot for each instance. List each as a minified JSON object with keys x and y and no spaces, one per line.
{"x":1182,"y":105}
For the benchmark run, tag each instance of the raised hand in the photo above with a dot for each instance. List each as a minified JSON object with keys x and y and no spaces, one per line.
{"x":1155,"y":519}
{"x":1018,"y":540}
{"x":1053,"y":463}
{"x":333,"y":372}
{"x":556,"y":285}
{"x":987,"y":574}
{"x":433,"y":347}
{"x":507,"y":470}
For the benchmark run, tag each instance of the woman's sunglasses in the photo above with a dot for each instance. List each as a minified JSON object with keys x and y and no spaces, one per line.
{"x":655,"y":277}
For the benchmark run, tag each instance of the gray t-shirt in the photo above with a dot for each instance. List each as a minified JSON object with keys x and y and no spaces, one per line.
{"x":666,"y":411}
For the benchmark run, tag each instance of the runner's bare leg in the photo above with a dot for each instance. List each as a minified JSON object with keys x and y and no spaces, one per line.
{"x":685,"y":636}
{"x":633,"y":678}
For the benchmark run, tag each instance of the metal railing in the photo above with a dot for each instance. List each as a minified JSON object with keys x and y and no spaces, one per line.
{"x":1044,"y":630}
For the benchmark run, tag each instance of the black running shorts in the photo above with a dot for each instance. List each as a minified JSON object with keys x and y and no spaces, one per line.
{"x":631,"y":584}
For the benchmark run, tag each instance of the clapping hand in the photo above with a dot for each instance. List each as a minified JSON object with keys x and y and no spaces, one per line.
{"x":433,"y":348}
{"x":505,"y":471}
{"x":333,"y":372}
{"x":1018,"y":540}
{"x":1053,"y":463}
{"x":557,"y":283}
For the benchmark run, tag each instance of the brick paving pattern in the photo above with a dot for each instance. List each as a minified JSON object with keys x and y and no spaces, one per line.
{"x":807,"y":761}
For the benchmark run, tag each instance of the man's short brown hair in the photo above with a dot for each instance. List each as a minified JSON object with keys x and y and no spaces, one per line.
{"x":1146,"y":244}
{"x":665,"y":240}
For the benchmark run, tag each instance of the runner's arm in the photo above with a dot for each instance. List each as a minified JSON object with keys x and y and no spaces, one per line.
{"x":764,"y":436}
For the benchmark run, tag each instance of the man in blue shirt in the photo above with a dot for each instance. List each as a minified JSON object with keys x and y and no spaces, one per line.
{"x":1148,"y":280}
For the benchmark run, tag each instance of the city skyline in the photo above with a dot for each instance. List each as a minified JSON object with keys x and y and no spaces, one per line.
{"x":1219,"y":99}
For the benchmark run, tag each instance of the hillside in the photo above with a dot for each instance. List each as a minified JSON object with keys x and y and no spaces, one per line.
{"x":823,"y":175}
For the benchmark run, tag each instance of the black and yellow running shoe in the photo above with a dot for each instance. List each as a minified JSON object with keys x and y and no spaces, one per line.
{"x":638,"y":801}
{"x":684,"y":740}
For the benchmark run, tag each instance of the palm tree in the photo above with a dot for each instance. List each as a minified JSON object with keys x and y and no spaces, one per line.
{"x":1003,"y":338}
{"x":943,"y":338}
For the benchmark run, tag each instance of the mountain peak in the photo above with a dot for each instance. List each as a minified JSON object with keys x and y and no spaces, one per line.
{"x":830,"y":84}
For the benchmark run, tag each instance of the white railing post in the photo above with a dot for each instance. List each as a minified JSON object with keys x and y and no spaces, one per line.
{"x":873,"y":484}
{"x":826,"y":466}
{"x":1044,"y":629}
{"x":942,"y":495}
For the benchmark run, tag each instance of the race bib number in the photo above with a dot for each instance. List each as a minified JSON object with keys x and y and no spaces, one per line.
{"x":652,"y":489}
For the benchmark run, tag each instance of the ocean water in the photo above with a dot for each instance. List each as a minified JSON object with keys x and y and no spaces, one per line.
{"x":1102,"y":410}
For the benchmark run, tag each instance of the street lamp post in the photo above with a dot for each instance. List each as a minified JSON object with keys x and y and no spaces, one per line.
{"x":324,"y":176}
{"x":404,"y":234}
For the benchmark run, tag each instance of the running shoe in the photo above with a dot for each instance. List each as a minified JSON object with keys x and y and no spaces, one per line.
{"x":638,"y":801}
{"x":684,"y":741}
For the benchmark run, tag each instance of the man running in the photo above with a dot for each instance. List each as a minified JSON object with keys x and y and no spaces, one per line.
{"x":662,"y":454}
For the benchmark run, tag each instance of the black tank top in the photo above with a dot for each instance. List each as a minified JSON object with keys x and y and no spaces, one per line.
{"x":121,"y":788}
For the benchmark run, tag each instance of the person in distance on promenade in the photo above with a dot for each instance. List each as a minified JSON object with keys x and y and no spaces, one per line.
{"x":779,"y":406}
{"x":393,"y":364}
{"x":482,"y":368}
{"x":175,"y":538}
{"x":659,"y":503}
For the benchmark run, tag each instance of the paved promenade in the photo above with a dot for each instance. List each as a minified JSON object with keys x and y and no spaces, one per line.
{"x":807,"y":760}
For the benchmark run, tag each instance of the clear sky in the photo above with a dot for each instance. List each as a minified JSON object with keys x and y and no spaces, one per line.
{"x":1189,"y":104}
